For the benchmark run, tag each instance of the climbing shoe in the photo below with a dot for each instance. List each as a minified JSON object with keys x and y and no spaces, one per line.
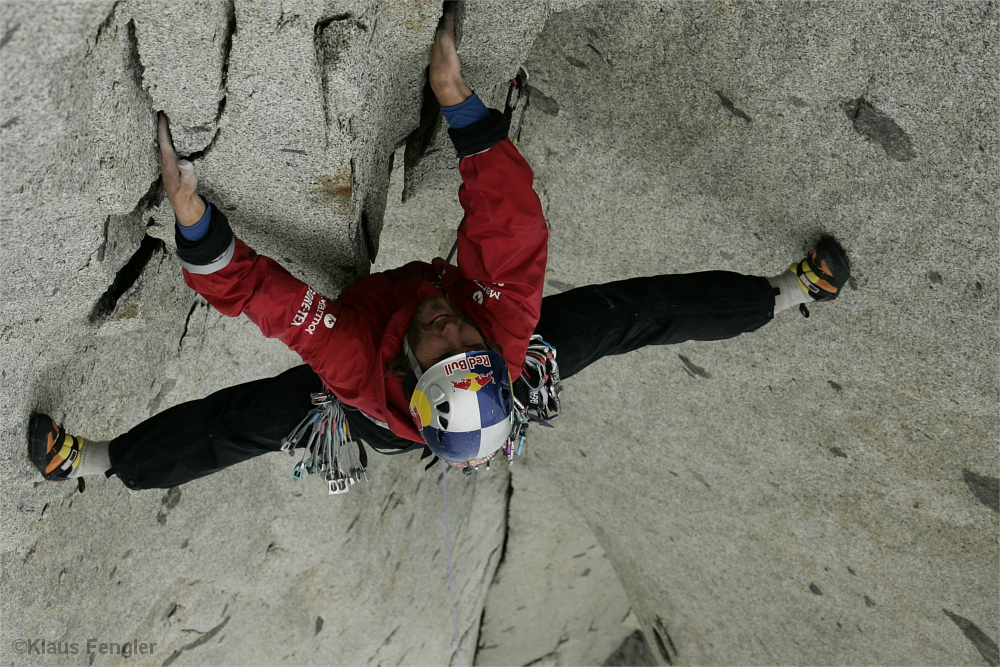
{"x":54,"y":452}
{"x":824,"y":271}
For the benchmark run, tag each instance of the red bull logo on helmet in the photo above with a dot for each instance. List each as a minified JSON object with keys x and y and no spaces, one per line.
{"x":420,"y":409}
{"x":467,"y":364}
{"x":472,"y":382}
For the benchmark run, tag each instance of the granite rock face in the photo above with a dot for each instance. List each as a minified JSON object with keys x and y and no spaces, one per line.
{"x":822,"y":490}
{"x":815,"y":491}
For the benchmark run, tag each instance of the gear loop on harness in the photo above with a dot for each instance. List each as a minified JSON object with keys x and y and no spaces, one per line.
{"x":540,"y":403}
{"x":328,"y":448}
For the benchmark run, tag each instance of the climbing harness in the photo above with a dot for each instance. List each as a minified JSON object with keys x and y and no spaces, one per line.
{"x":325,"y":435}
{"x":328,"y":446}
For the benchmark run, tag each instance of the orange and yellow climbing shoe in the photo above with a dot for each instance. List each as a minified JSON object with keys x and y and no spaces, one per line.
{"x":824,"y":271}
{"x":54,"y":452}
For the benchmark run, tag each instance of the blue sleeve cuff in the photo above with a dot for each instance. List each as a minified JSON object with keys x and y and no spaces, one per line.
{"x":465,"y":113}
{"x":198,"y":230}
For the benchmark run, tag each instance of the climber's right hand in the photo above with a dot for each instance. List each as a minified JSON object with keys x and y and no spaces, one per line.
{"x":445,"y":71}
{"x":179,"y":179}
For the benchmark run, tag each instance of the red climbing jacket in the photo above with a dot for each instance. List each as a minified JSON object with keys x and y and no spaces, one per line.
{"x":352,"y":342}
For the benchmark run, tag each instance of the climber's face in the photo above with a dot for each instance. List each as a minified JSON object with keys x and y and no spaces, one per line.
{"x":438,"y":331}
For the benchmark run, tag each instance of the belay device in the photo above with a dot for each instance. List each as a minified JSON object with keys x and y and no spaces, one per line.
{"x":328,"y":447}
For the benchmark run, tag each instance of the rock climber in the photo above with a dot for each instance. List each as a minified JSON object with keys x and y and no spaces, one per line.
{"x":450,"y":360}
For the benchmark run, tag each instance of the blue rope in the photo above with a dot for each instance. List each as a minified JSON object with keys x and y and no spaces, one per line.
{"x":447,"y":544}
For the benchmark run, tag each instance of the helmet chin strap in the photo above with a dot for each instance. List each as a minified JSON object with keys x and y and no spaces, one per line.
{"x":408,"y":351}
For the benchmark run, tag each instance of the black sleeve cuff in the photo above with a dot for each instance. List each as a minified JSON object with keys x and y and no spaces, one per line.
{"x":211,"y":246}
{"x":481,"y":135}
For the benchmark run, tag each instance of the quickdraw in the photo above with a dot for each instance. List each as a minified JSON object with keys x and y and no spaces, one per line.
{"x":328,"y":446}
{"x":543,"y":393}
{"x":541,"y":377}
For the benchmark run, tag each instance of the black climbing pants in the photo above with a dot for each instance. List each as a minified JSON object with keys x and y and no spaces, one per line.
{"x":198,"y":438}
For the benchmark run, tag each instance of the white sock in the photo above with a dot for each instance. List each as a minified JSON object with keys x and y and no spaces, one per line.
{"x":792,"y":293}
{"x":94,"y":459}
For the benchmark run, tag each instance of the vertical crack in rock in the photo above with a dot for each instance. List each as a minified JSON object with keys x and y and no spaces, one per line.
{"x":116,"y":227}
{"x":366,"y":236}
{"x":227,"y":47}
{"x":227,"y":50}
{"x":119,"y":108}
{"x":135,"y":59}
{"x":138,"y":69}
{"x":876,"y":126}
{"x":104,"y":240}
{"x":986,"y":646}
{"x":373,"y":207}
{"x":479,"y":635}
{"x":419,"y":141}
{"x":125,"y":278}
{"x":503,"y":558}
{"x":187,"y":324}
{"x":362,"y":243}
{"x":459,"y":9}
{"x":506,"y":535}
{"x":108,"y":22}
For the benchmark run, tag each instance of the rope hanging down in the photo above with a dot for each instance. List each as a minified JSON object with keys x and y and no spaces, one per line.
{"x":447,"y":548}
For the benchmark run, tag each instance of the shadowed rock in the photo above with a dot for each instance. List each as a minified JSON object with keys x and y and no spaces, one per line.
{"x":876,"y":126}
{"x":985,"y":489}
{"x":986,"y":646}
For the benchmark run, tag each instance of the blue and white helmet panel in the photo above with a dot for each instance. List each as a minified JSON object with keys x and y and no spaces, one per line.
{"x":463,"y":406}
